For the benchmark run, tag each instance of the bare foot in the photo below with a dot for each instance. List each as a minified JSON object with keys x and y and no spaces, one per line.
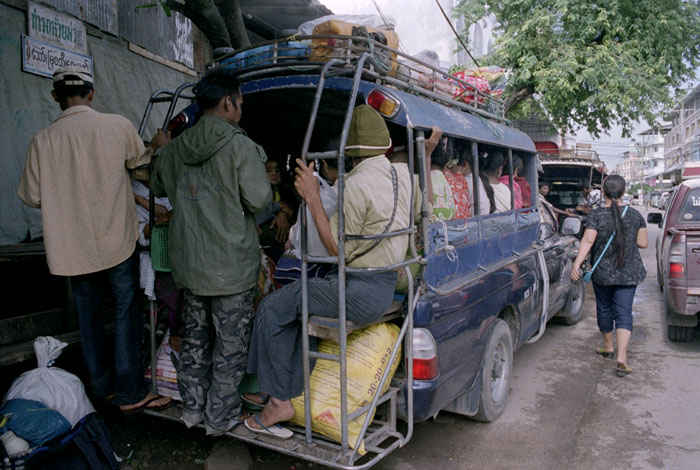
{"x":276,"y":411}
{"x":160,"y":401}
{"x":256,"y":398}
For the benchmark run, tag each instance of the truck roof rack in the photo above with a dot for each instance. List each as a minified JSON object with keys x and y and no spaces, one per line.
{"x":390,"y":67}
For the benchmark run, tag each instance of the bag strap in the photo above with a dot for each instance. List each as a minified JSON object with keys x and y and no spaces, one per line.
{"x":395,"y":184}
{"x":607,"y":245}
{"x":92,"y":439}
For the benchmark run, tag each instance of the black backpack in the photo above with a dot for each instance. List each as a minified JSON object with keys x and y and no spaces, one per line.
{"x":86,"y":446}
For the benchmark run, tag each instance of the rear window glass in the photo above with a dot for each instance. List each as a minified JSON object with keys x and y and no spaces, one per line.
{"x":690,"y":210}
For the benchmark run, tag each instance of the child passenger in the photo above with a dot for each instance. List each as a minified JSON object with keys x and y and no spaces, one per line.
{"x":455,"y":173}
{"x":443,"y":199}
{"x":274,"y":223}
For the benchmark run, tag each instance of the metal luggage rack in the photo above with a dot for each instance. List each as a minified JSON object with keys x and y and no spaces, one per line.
{"x":408,"y":74}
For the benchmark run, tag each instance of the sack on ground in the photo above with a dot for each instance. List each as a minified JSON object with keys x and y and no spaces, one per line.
{"x":32,"y":421}
{"x":368,"y":353}
{"x":54,"y":387}
{"x":166,"y":374}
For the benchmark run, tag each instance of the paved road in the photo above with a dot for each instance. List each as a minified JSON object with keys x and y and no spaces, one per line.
{"x":567,"y":409}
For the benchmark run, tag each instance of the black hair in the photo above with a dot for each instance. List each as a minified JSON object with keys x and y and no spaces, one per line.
{"x":614,"y":188}
{"x":463,"y":152}
{"x":63,"y":92}
{"x":542,"y":184}
{"x":216,"y":84}
{"x":442,"y":153}
{"x":489,"y":164}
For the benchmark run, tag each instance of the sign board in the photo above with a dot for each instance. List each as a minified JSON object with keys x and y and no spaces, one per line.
{"x":51,"y":26}
{"x":43,"y":58}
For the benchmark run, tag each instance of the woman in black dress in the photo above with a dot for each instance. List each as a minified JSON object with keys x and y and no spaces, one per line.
{"x":620,"y":270}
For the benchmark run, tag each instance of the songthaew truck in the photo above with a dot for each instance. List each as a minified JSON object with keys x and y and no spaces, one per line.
{"x":475,"y":289}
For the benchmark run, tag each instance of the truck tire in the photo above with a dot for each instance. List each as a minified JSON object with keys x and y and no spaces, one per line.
{"x":572,"y":312}
{"x":496,"y":370}
{"x":680,"y":334}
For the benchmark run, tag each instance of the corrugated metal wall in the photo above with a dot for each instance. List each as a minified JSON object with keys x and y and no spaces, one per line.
{"x":99,"y":13}
{"x":151,"y":29}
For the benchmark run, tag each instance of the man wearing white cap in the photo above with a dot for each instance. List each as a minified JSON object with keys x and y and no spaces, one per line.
{"x":76,"y":172}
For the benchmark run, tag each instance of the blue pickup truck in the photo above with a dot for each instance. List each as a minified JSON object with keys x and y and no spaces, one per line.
{"x":486,"y":285}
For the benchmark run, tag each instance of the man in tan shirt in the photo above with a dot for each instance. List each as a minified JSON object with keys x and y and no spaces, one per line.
{"x":76,"y":172}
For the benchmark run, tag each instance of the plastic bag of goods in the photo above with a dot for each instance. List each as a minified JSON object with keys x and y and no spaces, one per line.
{"x":368,"y":353}
{"x":32,"y":421}
{"x":54,"y":387}
{"x":419,"y":74}
{"x":314,"y":245}
{"x":324,"y":49}
{"x":372,"y":21}
{"x":465,"y":93}
{"x":166,"y":374}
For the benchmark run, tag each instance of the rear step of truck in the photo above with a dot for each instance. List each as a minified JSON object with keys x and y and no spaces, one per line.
{"x":380,"y":439}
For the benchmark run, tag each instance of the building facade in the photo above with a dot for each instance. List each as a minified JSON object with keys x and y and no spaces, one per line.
{"x":682,"y":142}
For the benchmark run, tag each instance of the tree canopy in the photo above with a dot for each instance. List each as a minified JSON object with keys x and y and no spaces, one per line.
{"x":592,"y":64}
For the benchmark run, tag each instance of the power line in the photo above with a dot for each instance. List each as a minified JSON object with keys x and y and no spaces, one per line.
{"x":456,"y":33}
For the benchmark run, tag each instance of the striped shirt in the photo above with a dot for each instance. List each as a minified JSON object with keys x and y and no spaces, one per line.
{"x":76,"y":172}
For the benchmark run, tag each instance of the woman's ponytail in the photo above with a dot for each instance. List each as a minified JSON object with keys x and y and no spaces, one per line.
{"x":614,"y":188}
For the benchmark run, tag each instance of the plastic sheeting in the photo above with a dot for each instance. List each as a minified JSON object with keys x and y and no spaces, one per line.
{"x":123,"y":83}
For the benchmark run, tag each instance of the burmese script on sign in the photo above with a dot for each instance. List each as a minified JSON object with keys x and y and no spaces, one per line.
{"x":43,"y":58}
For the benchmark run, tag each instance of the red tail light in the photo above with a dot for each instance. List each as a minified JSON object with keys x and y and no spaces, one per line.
{"x":178,"y":124}
{"x":425,"y":359}
{"x":677,"y":270}
{"x":386,"y":104}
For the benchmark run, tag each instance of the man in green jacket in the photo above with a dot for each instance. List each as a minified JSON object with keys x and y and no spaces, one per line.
{"x":214,"y":176}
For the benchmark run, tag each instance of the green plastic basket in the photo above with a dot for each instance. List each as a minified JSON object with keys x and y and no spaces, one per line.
{"x":160,"y":258}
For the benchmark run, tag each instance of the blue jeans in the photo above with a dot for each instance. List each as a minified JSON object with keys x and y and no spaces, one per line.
{"x":128,"y":385}
{"x":614,"y":306}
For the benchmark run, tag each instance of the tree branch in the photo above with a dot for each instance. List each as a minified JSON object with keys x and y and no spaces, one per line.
{"x":205,"y":15}
{"x":230,"y":10}
{"x":517,"y":97}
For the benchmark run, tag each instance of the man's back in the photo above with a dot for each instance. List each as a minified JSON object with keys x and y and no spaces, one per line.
{"x":76,"y":172}
{"x":215,"y":179}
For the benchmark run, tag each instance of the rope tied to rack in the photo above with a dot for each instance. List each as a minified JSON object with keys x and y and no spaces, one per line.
{"x":449,"y":250}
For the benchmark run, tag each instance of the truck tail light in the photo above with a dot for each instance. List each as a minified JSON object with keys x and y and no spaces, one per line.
{"x":677,"y":270}
{"x":425,"y":359}
{"x":178,"y":124}
{"x":676,"y":256}
{"x":387,"y":105}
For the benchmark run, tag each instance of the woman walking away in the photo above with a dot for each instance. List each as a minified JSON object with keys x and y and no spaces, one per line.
{"x":615,"y":232}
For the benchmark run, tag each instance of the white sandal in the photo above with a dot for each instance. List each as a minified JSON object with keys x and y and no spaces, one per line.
{"x":275,"y":430}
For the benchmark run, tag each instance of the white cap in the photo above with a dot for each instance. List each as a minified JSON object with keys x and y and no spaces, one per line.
{"x":84,"y":76}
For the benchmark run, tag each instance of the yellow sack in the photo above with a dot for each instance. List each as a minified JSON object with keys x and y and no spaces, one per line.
{"x":368,"y":352}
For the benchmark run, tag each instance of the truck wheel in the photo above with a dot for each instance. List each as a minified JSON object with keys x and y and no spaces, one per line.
{"x":680,"y":334}
{"x":572,"y":312}
{"x":495,"y":373}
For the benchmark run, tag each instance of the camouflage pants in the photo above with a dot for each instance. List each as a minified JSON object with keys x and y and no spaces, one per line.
{"x":213,"y":357}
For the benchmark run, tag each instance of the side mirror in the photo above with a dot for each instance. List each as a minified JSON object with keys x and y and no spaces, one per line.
{"x":654,"y":218}
{"x":571,"y":226}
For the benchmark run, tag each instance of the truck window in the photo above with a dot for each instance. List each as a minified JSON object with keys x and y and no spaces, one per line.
{"x":690,"y":210}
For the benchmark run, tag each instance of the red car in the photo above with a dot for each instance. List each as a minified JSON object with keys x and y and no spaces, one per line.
{"x":678,"y":259}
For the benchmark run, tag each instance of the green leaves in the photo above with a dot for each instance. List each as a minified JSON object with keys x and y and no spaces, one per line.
{"x":593,"y":64}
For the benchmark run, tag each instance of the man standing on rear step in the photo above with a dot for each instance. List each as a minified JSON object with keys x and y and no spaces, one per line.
{"x":215,"y":178}
{"x":76,"y":172}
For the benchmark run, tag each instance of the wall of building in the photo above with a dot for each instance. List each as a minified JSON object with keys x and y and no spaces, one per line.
{"x":124,"y":81}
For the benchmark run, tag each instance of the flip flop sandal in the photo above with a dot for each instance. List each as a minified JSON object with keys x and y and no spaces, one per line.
{"x":604,"y":353}
{"x":255,"y":406}
{"x":275,"y":430}
{"x":622,"y":370}
{"x":144,"y":406}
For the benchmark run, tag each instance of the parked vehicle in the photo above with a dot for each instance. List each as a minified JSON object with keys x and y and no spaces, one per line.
{"x":626,"y":199}
{"x":488,"y":284}
{"x":663,"y":200}
{"x":678,"y":259}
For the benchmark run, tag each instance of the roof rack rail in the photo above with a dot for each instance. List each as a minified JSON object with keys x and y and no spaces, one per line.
{"x":390,"y":67}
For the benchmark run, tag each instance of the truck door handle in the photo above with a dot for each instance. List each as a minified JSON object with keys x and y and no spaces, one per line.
{"x":696,"y":250}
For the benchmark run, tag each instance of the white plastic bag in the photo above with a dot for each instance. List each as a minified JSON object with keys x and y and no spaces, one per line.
{"x":166,"y":374}
{"x":371,"y":21}
{"x":54,"y":387}
{"x":329,"y":199}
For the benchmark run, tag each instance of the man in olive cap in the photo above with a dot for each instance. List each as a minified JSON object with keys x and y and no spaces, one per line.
{"x":76,"y":172}
{"x":376,"y":200}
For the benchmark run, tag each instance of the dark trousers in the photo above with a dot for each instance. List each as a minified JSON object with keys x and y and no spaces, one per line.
{"x":614,"y":306}
{"x":128,"y":384}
